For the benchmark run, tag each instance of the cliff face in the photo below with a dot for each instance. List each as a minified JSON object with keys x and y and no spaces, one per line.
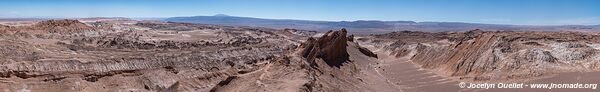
{"x":483,"y":55}
{"x":461,"y":58}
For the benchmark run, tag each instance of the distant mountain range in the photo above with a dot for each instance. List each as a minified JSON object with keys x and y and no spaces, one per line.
{"x":369,"y":26}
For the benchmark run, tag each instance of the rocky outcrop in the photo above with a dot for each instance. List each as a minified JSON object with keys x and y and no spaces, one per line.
{"x":131,"y":42}
{"x":331,"y":47}
{"x":8,"y":30}
{"x":351,"y":38}
{"x":3,"y":27}
{"x":61,"y":26}
{"x":177,"y":26}
{"x":47,"y":29}
{"x":367,"y":52}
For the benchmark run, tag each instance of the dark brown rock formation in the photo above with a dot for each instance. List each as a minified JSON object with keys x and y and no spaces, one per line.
{"x":331,"y":48}
{"x":351,"y":38}
{"x":367,"y":52}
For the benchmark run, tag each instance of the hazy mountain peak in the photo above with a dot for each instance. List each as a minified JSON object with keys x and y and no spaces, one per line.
{"x":221,"y":15}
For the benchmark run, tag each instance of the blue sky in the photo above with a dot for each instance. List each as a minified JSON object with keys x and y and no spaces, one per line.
{"x":522,"y":12}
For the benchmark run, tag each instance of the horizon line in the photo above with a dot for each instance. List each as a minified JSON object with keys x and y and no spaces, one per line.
{"x":225,"y":15}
